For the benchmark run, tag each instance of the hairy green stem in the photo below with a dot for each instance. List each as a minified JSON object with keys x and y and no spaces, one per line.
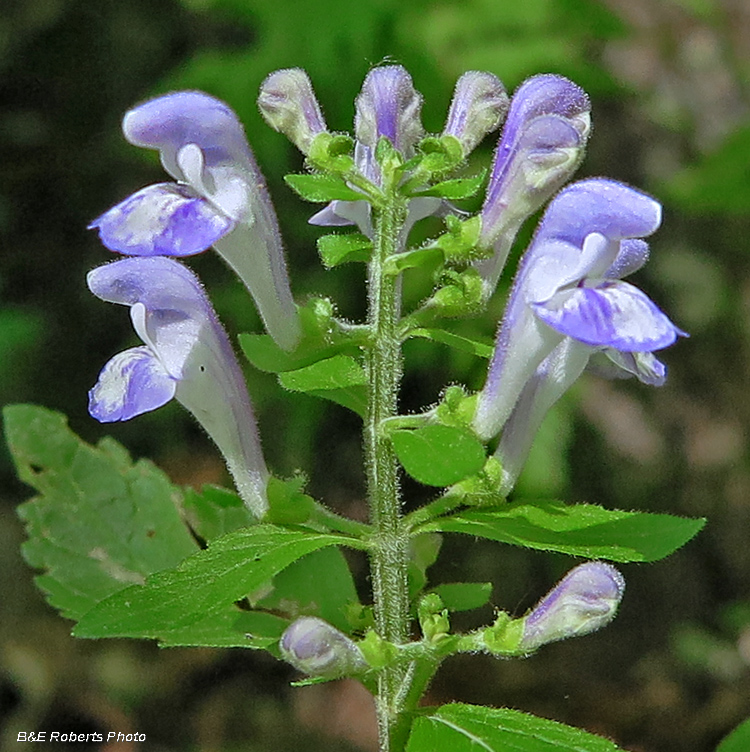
{"x":389,"y":553}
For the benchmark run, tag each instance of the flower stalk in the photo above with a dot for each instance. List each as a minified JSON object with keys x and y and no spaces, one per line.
{"x":389,"y":555}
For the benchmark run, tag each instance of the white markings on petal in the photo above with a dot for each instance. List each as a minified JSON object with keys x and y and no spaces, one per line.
{"x":615,"y":315}
{"x":131,"y":383}
{"x":223,"y":185}
{"x":165,"y":219}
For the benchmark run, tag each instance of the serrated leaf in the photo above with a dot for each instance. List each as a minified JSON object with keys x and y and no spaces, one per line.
{"x":319,"y":584}
{"x":438,"y":455}
{"x":340,"y":379}
{"x":340,"y":249}
{"x":322,"y":188}
{"x":456,"y":341}
{"x":464,"y":596}
{"x":469,"y":728}
{"x":204,"y":585}
{"x":579,"y":530}
{"x":738,"y":740}
{"x":100,"y":522}
{"x":456,"y":188}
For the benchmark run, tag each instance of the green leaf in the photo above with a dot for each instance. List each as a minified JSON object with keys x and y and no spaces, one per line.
{"x":340,"y":379}
{"x":288,"y":504}
{"x":738,"y":740}
{"x":468,"y":728}
{"x":339,"y":249}
{"x":321,"y":338}
{"x":464,"y":596}
{"x":99,"y":523}
{"x":322,"y":188}
{"x":423,"y":553}
{"x":204,"y":586}
{"x":215,"y":511}
{"x":319,"y":584}
{"x":461,"y":294}
{"x":579,"y":530}
{"x":420,"y":257}
{"x":456,"y":341}
{"x":456,"y":188}
{"x":438,"y":455}
{"x":459,"y":243}
{"x":229,"y":628}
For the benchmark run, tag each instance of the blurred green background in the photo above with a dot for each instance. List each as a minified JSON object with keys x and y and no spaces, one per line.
{"x":670,"y":84}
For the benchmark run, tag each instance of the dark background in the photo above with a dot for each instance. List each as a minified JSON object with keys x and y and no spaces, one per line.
{"x":669,"y":80}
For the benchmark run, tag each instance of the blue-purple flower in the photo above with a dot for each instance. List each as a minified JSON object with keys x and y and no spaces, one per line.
{"x":219,"y":199}
{"x":479,"y":105}
{"x":387,"y":106}
{"x":185,"y":355}
{"x":288,"y":104}
{"x":542,"y":144}
{"x":319,"y":649}
{"x":585,"y":600}
{"x":568,"y":285}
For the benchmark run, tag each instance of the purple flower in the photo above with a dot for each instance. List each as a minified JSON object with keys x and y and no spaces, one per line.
{"x":568,"y":286}
{"x":220,"y":199}
{"x":186,"y":355}
{"x":288,"y":104}
{"x":387,"y":106}
{"x":542,"y":144}
{"x":585,"y":600}
{"x":319,"y":649}
{"x":478,"y":107}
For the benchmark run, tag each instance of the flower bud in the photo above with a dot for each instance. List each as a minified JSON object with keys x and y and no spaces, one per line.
{"x":389,"y":106}
{"x":479,"y":106}
{"x":585,"y":600}
{"x":542,"y":144}
{"x":318,"y":649}
{"x":288,"y":104}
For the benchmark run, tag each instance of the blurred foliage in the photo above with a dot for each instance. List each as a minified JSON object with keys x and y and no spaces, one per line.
{"x":670,"y":83}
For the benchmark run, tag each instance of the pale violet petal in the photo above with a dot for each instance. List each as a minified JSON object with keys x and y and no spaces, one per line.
{"x":165,"y":219}
{"x":191,"y":161}
{"x":213,"y":389}
{"x":171,"y":121}
{"x":342,"y":213}
{"x":188,"y":355}
{"x":613,"y":209}
{"x":614,"y":314}
{"x":554,"y":376}
{"x":131,"y":383}
{"x":389,"y":106}
{"x":170,"y":333}
{"x":328,"y":216}
{"x":201,"y":136}
{"x":223,"y":185}
{"x":633,"y":254}
{"x":522,"y":344}
{"x":479,"y":105}
{"x":645,"y":366}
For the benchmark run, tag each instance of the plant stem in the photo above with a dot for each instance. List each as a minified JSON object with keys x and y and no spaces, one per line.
{"x":389,"y":554}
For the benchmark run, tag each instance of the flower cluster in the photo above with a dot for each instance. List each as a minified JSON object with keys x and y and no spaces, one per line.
{"x":219,"y":199}
{"x":568,"y":308}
